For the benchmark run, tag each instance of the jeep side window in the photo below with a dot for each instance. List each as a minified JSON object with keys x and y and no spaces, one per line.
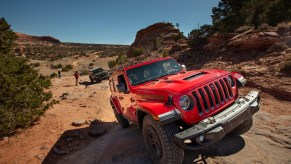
{"x":115,"y":82}
{"x":121,"y":80}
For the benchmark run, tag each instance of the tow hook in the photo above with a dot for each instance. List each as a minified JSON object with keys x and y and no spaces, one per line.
{"x":209,"y":120}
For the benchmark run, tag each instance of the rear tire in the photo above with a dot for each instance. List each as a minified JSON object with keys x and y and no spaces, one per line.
{"x":160,"y":143}
{"x":123,"y":122}
{"x":242,"y":128}
{"x":92,"y":81}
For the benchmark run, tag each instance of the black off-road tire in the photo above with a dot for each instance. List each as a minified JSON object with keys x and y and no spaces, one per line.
{"x":242,"y":128}
{"x":160,"y":143}
{"x":92,"y":81}
{"x":123,"y":122}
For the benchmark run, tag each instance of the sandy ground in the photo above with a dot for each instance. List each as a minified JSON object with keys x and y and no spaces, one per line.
{"x":269,"y":140}
{"x":54,"y":140}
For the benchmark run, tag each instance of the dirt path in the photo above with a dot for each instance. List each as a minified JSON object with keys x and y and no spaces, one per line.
{"x":269,"y":141}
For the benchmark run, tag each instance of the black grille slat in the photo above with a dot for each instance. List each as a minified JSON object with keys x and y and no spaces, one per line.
{"x":224,"y":88}
{"x":206,"y":108}
{"x":215,"y":93}
{"x":197,"y":102}
{"x":210,"y":96}
{"x":219,"y":91}
{"x":228,"y":86}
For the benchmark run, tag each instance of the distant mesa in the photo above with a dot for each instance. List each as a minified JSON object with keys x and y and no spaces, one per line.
{"x":25,"y":37}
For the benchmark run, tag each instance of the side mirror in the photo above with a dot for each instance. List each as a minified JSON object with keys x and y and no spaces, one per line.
{"x":183,"y":67}
{"x":121,"y":87}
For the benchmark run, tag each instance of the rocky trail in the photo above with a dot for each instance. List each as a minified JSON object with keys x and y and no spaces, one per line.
{"x":96,"y":137}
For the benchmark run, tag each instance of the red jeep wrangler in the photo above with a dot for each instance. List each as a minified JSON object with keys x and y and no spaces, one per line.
{"x":180,"y":110}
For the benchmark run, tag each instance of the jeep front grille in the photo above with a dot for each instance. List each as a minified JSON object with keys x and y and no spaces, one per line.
{"x":212,"y":95}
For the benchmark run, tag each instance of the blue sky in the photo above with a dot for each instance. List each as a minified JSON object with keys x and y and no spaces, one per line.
{"x":102,"y":22}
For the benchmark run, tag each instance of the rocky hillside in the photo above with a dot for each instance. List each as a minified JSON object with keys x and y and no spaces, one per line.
{"x":34,"y":39}
{"x":262,"y":55}
{"x":47,"y":47}
{"x":160,"y":37}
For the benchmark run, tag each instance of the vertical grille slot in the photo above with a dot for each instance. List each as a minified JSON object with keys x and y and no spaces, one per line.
{"x":203,"y":99}
{"x":197,"y":102}
{"x":224,"y":87}
{"x":228,"y":86}
{"x":214,"y":93}
{"x":220,"y":92}
{"x":209,"y":95}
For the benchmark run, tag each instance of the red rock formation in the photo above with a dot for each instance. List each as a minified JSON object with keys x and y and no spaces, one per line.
{"x":166,"y":33}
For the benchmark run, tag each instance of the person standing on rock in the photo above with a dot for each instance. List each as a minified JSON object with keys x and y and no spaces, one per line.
{"x":77,"y":77}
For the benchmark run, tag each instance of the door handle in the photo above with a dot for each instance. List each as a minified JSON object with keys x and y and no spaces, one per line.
{"x":121,"y":98}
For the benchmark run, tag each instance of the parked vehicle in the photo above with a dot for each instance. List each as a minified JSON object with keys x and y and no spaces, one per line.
{"x":180,"y":110}
{"x":98,"y":74}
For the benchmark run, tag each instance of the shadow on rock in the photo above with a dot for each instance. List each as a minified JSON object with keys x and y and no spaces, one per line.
{"x":225,"y":147}
{"x":74,"y":140}
{"x":117,"y":145}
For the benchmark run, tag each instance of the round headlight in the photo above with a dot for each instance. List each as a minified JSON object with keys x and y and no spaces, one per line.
{"x":185,"y":102}
{"x":231,"y":81}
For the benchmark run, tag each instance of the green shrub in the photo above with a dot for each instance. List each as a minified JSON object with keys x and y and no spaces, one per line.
{"x":53,"y":75}
{"x":37,"y":64}
{"x":65,"y":69}
{"x":84,"y":72}
{"x":60,"y":65}
{"x":69,"y":66}
{"x":111,"y":63}
{"x":137,"y":51}
{"x":121,"y":59}
{"x":157,"y":43}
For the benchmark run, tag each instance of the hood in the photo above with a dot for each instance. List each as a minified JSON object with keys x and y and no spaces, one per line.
{"x":182,"y":82}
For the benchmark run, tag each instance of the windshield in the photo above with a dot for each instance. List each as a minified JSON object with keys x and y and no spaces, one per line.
{"x":153,"y":71}
{"x":97,"y":70}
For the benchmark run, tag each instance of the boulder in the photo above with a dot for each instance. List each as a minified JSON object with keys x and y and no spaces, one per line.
{"x":97,"y":131}
{"x":78,"y":122}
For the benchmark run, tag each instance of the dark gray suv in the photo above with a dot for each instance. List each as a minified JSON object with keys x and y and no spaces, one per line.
{"x":98,"y":74}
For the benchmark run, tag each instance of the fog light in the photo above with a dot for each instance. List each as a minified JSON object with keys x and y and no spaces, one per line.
{"x":187,"y":141}
{"x":200,"y":139}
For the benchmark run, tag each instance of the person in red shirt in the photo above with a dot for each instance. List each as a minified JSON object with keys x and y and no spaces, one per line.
{"x":77,"y":77}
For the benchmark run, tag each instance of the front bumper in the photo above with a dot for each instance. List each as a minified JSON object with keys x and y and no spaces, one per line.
{"x":216,"y":127}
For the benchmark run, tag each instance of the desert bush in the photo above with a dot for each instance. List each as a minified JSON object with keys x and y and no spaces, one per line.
{"x":23,"y":97}
{"x":178,"y":36}
{"x":111,"y":63}
{"x":278,"y":47}
{"x":93,"y":60}
{"x":53,"y":75}
{"x":37,"y":64}
{"x":121,"y":59}
{"x":69,"y":66}
{"x":137,"y":51}
{"x":91,"y":64}
{"x":65,"y":69}
{"x":84,"y":72}
{"x":157,"y":43}
{"x":242,"y":29}
{"x":57,"y":66}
